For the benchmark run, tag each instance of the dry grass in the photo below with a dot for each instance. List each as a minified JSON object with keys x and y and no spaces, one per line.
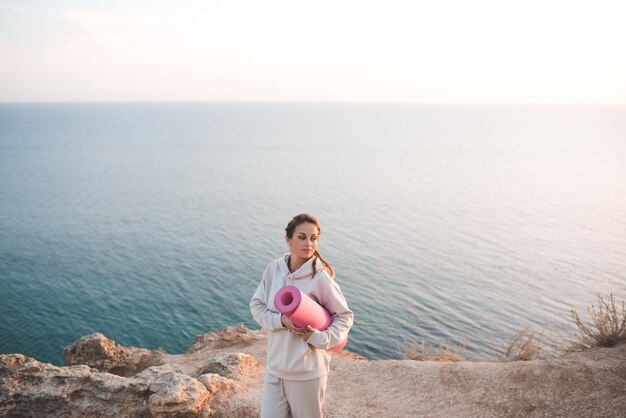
{"x":526,"y":345}
{"x":414,"y":350}
{"x":608,"y":327}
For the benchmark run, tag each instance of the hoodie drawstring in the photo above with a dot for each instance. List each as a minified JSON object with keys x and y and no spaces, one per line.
{"x":283,"y":393}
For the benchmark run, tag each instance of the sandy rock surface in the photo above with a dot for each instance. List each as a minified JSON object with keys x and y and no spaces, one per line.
{"x":221,"y":375}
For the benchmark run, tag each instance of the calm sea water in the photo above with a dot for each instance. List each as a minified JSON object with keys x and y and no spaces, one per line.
{"x":152,"y":223}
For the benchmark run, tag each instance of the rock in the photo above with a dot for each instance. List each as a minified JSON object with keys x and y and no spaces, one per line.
{"x":216,"y":383}
{"x":29,"y":388}
{"x":99,"y":352}
{"x":230,"y":365}
{"x":106,"y":379}
{"x":173,"y":393}
{"x":235,"y":336}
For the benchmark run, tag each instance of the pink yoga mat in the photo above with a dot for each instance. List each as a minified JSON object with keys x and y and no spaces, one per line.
{"x":303,"y":311}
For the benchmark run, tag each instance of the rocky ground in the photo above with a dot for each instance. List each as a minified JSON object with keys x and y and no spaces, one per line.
{"x":221,"y":376}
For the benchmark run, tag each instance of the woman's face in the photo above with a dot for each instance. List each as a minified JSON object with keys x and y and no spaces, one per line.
{"x":304,"y":241}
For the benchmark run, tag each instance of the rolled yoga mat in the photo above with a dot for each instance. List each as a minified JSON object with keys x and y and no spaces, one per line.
{"x":303,"y":311}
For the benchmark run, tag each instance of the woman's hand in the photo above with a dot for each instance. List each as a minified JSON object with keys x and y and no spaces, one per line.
{"x":290,"y":325}
{"x":305,"y":334}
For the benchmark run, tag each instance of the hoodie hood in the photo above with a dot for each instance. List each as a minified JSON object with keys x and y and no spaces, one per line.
{"x":305,"y":270}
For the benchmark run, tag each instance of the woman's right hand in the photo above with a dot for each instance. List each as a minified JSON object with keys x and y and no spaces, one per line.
{"x":290,"y":325}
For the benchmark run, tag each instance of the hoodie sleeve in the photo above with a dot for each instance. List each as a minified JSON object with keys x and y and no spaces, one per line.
{"x":335,"y":303}
{"x":268,"y":320}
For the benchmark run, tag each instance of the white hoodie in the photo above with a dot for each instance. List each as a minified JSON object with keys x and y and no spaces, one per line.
{"x":288,"y":355}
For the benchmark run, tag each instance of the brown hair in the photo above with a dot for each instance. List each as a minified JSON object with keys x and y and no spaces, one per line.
{"x":300,"y":219}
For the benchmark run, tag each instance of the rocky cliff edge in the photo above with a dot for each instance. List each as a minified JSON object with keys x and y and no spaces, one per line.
{"x":221,"y":375}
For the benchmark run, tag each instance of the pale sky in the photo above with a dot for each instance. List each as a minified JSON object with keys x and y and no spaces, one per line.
{"x":288,"y":50}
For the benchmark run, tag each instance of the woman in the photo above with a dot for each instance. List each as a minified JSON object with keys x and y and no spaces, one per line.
{"x":298,"y":359}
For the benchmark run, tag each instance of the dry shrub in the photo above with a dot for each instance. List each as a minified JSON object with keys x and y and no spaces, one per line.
{"x":414,"y":350}
{"x":524,"y":346}
{"x":609,"y":324}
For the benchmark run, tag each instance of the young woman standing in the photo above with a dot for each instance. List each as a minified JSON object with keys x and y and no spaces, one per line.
{"x":298,"y":359}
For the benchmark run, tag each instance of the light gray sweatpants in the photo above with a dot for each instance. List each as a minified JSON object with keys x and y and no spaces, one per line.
{"x":292,"y":398}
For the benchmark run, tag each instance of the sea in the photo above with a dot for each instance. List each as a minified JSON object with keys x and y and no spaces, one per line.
{"x":456,"y":225}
